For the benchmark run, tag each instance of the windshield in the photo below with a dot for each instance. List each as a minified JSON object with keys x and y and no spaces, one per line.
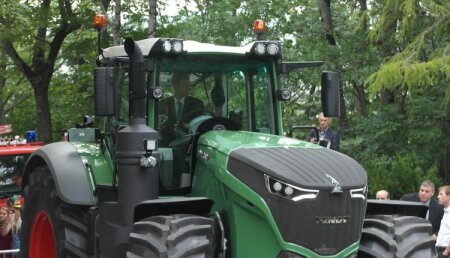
{"x":197,"y":88}
{"x":229,"y":87}
{"x":11,"y":168}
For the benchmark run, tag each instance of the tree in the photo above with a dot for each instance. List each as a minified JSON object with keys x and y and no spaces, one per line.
{"x":54,"y":22}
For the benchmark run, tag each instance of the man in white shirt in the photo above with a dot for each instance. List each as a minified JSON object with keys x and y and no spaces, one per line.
{"x":443,"y":238}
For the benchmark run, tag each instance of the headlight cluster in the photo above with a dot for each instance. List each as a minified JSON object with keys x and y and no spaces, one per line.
{"x":288,"y":191}
{"x":266,"y":49}
{"x":172,"y":46}
{"x":168,"y":47}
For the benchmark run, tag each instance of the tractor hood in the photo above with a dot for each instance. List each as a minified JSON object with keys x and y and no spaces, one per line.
{"x":285,"y":159}
{"x":307,"y":188}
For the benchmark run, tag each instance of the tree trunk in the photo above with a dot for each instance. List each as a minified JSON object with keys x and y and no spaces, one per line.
{"x":388,"y":46}
{"x":2,"y":87}
{"x":44,"y":125}
{"x":152,"y":13}
{"x":360,"y":98}
{"x":116,"y":22}
{"x":343,"y":119}
{"x":327,"y":22}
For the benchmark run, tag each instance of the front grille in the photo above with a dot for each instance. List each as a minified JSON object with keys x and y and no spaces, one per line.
{"x":327,"y":224}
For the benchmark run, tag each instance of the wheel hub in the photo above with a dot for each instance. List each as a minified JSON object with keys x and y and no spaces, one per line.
{"x":42,"y":241}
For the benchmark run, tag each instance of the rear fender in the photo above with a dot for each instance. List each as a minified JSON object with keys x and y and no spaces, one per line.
{"x":68,"y":172}
{"x":391,"y":207}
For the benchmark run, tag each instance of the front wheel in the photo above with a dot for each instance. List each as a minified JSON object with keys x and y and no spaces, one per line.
{"x":396,"y":237}
{"x":175,"y":236}
{"x":50,"y":227}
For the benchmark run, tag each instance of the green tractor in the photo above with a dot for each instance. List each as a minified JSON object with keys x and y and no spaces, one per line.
{"x":218,"y":180}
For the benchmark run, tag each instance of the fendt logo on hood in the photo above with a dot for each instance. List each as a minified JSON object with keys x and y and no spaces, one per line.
{"x":336,"y":186}
{"x":331,"y":220}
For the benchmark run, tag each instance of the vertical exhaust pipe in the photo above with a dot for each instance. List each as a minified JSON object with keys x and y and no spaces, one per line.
{"x":137,"y":91}
{"x":137,"y":182}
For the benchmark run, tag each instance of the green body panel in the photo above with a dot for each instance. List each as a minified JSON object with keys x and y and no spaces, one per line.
{"x":248,"y":220}
{"x":99,"y":160}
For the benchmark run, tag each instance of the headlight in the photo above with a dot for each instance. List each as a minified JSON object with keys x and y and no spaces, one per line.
{"x":359,"y":193}
{"x":167,"y":46}
{"x":288,"y":191}
{"x":273,"y":49}
{"x":283,"y":94}
{"x":155,"y":93}
{"x":260,"y":49}
{"x":177,"y":46}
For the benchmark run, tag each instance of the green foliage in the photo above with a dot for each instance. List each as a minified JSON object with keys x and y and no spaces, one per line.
{"x":398,"y":175}
{"x":424,"y":60}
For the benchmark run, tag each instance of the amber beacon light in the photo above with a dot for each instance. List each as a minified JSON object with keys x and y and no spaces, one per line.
{"x":99,"y":21}
{"x":259,"y":27}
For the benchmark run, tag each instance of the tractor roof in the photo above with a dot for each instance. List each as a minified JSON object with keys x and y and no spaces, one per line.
{"x":189,"y":46}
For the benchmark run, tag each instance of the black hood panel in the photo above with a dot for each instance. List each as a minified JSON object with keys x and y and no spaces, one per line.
{"x":303,"y":167}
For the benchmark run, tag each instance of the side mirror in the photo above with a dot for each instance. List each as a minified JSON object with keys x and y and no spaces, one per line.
{"x":330,"y":94}
{"x":104,"y":91}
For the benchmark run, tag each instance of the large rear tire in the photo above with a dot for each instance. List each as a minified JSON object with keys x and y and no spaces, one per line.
{"x":176,"y":236}
{"x":51,"y":228}
{"x":396,"y":237}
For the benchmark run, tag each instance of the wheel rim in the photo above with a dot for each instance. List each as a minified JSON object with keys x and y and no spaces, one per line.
{"x":42,"y":242}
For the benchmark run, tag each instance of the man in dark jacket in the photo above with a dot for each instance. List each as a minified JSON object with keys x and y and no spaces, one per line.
{"x":178,"y":108}
{"x":425,"y":196}
{"x":327,"y":137}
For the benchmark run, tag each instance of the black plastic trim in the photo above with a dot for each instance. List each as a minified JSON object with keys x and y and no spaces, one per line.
{"x":68,"y":172}
{"x":179,"y":205}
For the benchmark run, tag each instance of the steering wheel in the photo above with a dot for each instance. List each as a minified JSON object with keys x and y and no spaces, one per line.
{"x":186,"y":118}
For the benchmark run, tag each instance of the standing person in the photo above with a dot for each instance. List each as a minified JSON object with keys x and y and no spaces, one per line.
{"x":15,"y":219}
{"x":443,"y":238}
{"x":382,"y":195}
{"x":326,"y":135}
{"x":425,"y":196}
{"x":5,"y":231}
{"x":178,"y":107}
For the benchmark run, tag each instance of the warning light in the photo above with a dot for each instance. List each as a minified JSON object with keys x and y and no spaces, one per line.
{"x":100,"y":21}
{"x":259,"y":27}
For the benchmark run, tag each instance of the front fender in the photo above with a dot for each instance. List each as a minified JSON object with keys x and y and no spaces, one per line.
{"x":68,"y":172}
{"x":390,"y":207}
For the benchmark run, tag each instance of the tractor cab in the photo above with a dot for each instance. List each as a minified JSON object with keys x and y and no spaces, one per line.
{"x":192,"y":88}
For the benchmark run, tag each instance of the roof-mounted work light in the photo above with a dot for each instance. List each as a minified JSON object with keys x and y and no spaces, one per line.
{"x":168,"y":47}
{"x":266,"y":49}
